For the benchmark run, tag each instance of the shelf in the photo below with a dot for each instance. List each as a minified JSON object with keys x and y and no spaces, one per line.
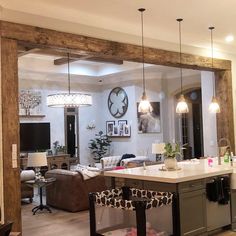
{"x":32,"y":116}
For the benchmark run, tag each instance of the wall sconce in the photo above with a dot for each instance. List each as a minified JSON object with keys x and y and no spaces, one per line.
{"x":91,"y":125}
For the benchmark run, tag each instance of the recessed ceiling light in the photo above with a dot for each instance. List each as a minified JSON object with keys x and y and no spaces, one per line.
{"x":229,"y":38}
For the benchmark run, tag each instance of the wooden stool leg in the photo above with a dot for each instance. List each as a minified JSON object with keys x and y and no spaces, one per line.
{"x":92,"y":215}
{"x":140,"y":218}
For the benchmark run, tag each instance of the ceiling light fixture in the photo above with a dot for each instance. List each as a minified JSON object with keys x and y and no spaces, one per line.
{"x":144,"y":105}
{"x":69,"y":99}
{"x":229,"y":38}
{"x":182,"y":106}
{"x":214,"y":106}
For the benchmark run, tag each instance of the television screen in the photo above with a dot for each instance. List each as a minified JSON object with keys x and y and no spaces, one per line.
{"x":34,"y":137}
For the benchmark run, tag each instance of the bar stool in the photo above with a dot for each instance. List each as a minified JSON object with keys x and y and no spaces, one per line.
{"x":5,"y":229}
{"x":126,"y":198}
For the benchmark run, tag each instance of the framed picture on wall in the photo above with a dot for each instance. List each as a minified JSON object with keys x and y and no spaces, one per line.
{"x":116,"y":131}
{"x":127,"y":130}
{"x":110,"y":127}
{"x":122,"y":124}
{"x":150,"y":122}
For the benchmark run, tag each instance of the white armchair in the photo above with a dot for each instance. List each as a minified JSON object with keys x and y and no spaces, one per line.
{"x":112,"y":161}
{"x":124,"y":162}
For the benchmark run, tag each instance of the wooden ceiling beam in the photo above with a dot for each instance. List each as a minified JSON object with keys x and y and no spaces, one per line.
{"x":106,"y":60}
{"x":24,"y":50}
{"x":27,"y":51}
{"x":105,"y":48}
{"x":63,"y":60}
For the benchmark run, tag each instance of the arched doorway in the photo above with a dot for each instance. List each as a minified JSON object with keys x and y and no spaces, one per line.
{"x":190,"y":127}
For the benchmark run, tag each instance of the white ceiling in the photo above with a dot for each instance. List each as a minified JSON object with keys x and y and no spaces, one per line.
{"x":159,"y":19}
{"x":41,"y":67}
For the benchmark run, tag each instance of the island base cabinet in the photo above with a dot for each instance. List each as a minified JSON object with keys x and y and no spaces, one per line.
{"x":233,"y":209}
{"x":192,"y":207}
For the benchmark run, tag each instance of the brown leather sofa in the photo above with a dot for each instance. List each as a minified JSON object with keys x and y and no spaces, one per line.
{"x":70,"y":191}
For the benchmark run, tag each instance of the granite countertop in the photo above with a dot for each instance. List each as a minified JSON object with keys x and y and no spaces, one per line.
{"x":189,"y":170}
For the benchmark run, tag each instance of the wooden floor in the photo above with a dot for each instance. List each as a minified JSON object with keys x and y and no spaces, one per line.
{"x":57,"y":223}
{"x":62,"y":223}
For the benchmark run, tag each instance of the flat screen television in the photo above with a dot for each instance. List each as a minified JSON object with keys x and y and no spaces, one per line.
{"x":34,"y":137}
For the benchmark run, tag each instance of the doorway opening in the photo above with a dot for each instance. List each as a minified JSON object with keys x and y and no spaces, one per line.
{"x":191,"y":126}
{"x":72,"y":131}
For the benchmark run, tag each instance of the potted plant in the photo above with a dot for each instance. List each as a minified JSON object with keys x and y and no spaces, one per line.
{"x":58,"y":149}
{"x":171,"y":151}
{"x":99,"y":146}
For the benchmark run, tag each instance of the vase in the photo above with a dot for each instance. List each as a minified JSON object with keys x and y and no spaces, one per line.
{"x":170,"y":163}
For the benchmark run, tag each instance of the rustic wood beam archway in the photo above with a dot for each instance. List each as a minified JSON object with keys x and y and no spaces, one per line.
{"x":13,"y":34}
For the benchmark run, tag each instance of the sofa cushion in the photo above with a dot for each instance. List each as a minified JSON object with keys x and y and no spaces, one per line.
{"x":63,"y":172}
{"x":26,"y":175}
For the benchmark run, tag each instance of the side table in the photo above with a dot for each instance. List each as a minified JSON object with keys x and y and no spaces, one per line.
{"x":41,"y":183}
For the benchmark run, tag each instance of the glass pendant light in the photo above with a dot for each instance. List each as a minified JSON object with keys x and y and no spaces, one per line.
{"x":214,"y":106}
{"x":144,"y":105}
{"x":182,"y":106}
{"x":69,"y":99}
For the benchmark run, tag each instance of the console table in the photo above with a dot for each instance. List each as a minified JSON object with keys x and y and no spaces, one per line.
{"x":61,"y":161}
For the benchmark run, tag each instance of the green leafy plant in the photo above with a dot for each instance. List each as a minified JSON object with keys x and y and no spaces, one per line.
{"x":99,"y":145}
{"x":171,"y":150}
{"x":58,"y":148}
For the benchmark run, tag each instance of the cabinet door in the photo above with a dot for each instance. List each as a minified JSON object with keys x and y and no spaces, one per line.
{"x":193,"y":212}
{"x":233,"y":205}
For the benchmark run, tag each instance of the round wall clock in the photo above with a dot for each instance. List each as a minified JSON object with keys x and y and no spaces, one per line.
{"x":117,"y":102}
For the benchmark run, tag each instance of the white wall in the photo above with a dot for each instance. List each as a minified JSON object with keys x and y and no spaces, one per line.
{"x":88,"y":115}
{"x":56,"y":116}
{"x":208,"y":119}
{"x":138,"y":143}
{"x":162,"y":90}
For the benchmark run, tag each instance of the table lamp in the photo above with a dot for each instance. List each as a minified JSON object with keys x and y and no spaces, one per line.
{"x":37,"y":160}
{"x":158,"y":149}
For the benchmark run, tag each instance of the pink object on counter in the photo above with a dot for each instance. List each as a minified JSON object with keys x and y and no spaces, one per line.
{"x":210,"y":162}
{"x":118,"y":168}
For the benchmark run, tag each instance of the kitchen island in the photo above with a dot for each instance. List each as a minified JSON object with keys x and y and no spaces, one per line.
{"x":193,"y":213}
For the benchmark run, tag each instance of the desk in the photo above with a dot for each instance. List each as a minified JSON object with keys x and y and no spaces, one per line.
{"x":41,"y":183}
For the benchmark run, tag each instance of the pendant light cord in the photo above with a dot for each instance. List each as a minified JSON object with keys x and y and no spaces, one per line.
{"x":212,"y":59}
{"x":180,"y":56}
{"x":68,"y":70}
{"x":144,"y":86}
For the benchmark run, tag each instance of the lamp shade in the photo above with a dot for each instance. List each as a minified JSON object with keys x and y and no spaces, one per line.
{"x":214,"y":106}
{"x":145,"y":106}
{"x":37,"y":159}
{"x":69,"y":100}
{"x":182,"y":106}
{"x":158,"y":148}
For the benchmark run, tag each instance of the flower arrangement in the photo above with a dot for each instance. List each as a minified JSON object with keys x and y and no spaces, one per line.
{"x":58,"y":148}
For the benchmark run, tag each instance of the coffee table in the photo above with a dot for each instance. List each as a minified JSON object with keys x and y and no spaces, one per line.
{"x":41,"y":183}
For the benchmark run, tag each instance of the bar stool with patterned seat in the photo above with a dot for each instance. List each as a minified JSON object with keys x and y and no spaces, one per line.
{"x":126,"y":198}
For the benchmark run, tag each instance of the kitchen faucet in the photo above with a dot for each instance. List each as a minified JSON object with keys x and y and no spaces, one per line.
{"x":228,"y":146}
